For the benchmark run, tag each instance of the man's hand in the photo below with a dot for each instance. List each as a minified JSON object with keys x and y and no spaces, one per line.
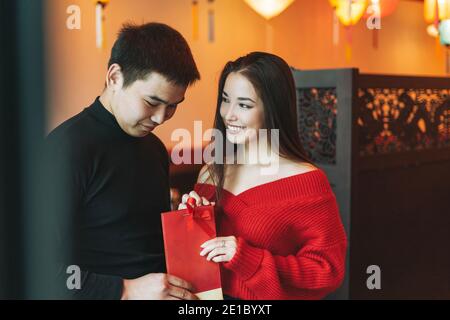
{"x":157,"y":286}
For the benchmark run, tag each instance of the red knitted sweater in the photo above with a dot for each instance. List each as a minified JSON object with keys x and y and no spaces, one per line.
{"x":291,"y":242}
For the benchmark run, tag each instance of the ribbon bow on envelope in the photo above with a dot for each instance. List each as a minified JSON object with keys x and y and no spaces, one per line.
{"x":198,"y":215}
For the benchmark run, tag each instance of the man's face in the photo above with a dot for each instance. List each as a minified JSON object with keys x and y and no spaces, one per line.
{"x":145,"y":104}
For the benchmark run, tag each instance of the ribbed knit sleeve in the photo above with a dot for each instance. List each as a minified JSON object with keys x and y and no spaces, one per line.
{"x":318,"y":266}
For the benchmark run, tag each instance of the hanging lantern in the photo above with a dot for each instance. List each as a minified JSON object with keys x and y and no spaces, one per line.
{"x":376,"y":10}
{"x":385,"y":7}
{"x":269,"y":8}
{"x":433,"y":31}
{"x":211,"y":21}
{"x":99,"y":18}
{"x":444,"y":32}
{"x":333,"y":4}
{"x":437,"y":12}
{"x":430,"y":10}
{"x":195,"y":19}
{"x":350,"y":12}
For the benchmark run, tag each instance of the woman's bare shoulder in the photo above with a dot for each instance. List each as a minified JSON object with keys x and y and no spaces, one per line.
{"x":289,"y":167}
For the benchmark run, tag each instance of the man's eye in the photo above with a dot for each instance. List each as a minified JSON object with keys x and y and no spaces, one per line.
{"x":150,"y":104}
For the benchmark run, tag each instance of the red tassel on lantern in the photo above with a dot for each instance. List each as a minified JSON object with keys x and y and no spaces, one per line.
{"x":379,"y":9}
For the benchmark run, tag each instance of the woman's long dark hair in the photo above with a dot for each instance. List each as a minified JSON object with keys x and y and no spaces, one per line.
{"x":274,"y":83}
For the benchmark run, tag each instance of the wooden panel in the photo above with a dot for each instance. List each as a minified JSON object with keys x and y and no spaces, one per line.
{"x":393,"y":199}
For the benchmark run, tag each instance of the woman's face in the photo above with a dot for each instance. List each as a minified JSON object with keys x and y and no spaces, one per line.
{"x":241,"y":109}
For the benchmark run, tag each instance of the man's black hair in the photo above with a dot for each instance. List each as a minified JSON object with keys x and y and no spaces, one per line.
{"x":153,"y":47}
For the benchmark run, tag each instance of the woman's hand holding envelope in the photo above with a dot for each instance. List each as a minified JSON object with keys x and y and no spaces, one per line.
{"x":199,"y":201}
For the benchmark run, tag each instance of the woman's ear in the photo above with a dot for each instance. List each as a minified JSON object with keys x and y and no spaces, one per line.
{"x":114,"y":77}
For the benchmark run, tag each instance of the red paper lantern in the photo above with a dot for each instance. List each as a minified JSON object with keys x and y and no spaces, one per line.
{"x":387,"y":7}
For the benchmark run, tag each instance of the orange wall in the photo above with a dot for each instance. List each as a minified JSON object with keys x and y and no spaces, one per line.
{"x":302,"y":35}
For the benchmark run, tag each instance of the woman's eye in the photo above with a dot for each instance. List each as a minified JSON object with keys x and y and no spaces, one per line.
{"x":244,"y":106}
{"x":225,"y":100}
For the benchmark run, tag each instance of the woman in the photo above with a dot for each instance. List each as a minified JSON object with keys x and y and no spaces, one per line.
{"x":279,"y":235}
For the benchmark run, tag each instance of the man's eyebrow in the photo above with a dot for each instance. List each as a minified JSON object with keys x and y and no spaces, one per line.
{"x":156,"y":98}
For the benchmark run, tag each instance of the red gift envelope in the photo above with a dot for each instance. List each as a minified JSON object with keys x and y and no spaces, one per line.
{"x":184,"y":231}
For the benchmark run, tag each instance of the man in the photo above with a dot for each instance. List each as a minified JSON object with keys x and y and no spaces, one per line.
{"x":115,"y":171}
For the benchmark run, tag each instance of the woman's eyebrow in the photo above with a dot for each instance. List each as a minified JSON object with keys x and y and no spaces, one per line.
{"x":240,"y":98}
{"x":245,"y":99}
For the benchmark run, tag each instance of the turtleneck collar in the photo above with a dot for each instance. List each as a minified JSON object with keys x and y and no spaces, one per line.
{"x":99,"y":111}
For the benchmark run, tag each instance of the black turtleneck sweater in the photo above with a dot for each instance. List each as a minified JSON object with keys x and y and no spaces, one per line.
{"x":116,"y":187}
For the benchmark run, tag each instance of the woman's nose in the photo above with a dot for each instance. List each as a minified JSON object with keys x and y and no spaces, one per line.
{"x":231,"y":113}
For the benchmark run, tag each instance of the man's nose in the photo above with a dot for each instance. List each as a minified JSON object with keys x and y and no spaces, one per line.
{"x":158,"y":116}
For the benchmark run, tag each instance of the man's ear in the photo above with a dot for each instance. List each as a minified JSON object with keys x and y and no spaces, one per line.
{"x":114,"y":77}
